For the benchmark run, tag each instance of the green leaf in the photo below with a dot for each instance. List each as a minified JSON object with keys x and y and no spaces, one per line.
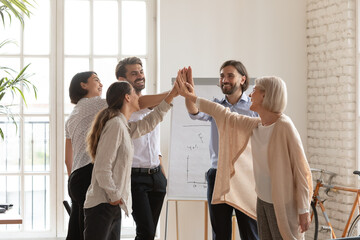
{"x":1,"y":134}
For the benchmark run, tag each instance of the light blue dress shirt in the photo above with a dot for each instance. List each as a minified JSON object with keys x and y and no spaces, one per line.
{"x":241,"y":107}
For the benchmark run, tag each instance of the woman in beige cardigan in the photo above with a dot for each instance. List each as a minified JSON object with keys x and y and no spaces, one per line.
{"x":283,"y":181}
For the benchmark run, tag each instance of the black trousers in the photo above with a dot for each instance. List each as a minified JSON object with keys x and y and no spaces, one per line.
{"x":78,"y":184}
{"x":221,"y":214}
{"x":102,"y":222}
{"x":148,"y":193}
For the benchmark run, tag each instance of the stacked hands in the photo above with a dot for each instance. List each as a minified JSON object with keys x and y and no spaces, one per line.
{"x":184,"y":84}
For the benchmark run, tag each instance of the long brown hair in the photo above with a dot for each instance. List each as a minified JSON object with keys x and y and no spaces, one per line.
{"x":114,"y":97}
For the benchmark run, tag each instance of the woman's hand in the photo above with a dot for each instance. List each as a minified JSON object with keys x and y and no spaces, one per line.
{"x":183,"y":87}
{"x":304,"y":222}
{"x":116,"y":202}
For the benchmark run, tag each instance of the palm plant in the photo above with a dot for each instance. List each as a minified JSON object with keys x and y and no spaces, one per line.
{"x":12,"y":81}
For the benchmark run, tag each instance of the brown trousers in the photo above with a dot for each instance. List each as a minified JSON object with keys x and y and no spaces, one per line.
{"x":266,"y":220}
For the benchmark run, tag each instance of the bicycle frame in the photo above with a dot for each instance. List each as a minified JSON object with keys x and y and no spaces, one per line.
{"x":318,"y":200}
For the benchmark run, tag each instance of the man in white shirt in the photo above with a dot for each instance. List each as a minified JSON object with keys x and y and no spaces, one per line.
{"x":148,"y":182}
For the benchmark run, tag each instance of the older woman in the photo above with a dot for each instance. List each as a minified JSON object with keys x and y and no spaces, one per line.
{"x":283,"y":182}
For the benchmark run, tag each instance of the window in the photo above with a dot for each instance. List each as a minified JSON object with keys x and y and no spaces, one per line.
{"x":62,"y":38}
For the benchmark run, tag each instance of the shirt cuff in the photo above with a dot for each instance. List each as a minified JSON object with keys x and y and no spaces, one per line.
{"x":304,"y":210}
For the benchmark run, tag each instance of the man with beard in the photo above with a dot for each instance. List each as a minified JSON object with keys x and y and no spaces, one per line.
{"x":148,"y":181}
{"x":233,"y":82}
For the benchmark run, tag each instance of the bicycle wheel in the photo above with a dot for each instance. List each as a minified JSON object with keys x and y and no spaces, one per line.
{"x":314,"y":225}
{"x":355,"y":228}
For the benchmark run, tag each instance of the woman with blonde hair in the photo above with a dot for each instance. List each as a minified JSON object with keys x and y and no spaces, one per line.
{"x":283,"y":181}
{"x":110,"y":147}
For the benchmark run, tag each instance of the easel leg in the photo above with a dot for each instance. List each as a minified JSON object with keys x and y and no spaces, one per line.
{"x":206,"y":221}
{"x":233,"y":227}
{"x":177,"y":225}
{"x":166,"y":218}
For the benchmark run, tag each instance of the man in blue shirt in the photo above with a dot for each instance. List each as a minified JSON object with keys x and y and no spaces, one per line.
{"x":233,"y":82}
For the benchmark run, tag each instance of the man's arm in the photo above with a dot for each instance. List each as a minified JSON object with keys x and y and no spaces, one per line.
{"x":150,"y":101}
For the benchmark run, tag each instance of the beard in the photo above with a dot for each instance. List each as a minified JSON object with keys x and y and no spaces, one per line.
{"x":229,"y":90}
{"x":139,"y":87}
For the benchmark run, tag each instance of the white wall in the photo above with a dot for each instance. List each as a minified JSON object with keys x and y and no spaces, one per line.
{"x":269,"y":37}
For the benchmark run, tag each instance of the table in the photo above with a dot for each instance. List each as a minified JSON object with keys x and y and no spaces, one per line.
{"x":10,"y":217}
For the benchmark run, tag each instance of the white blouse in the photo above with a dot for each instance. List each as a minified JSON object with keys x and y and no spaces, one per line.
{"x":259,"y":145}
{"x":78,"y":125}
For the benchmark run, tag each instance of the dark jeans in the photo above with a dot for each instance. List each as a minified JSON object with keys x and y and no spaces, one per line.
{"x":221,"y":214}
{"x":102,"y":222}
{"x":148,"y":192}
{"x":78,"y":184}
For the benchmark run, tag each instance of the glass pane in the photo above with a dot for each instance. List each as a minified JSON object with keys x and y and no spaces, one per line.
{"x":105,"y":69}
{"x":37,"y":145}
{"x":133,"y":27}
{"x":72,"y":66}
{"x":9,"y":99}
{"x":77,"y":27}
{"x":39,"y":68}
{"x":37,"y":30}
{"x":37,"y":203}
{"x":12,"y":33}
{"x":10,"y":193}
{"x":106,"y":38}
{"x":10,"y":146}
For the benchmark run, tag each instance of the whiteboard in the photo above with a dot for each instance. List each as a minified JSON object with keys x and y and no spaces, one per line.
{"x":189,"y":157}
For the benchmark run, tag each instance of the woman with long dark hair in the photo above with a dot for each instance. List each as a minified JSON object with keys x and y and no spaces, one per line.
{"x":110,"y":147}
{"x":85,"y":92}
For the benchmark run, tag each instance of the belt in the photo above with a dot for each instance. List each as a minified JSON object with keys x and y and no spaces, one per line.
{"x":146,"y":170}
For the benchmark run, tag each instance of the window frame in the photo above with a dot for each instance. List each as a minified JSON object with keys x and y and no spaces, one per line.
{"x":56,"y":114}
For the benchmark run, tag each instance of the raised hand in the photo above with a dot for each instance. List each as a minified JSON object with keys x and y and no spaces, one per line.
{"x":184,"y":88}
{"x":189,"y":77}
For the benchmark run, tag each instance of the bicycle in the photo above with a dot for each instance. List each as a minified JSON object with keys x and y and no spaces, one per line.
{"x":354,"y":229}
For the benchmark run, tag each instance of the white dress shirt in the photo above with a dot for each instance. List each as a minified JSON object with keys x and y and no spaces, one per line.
{"x":146,"y":147}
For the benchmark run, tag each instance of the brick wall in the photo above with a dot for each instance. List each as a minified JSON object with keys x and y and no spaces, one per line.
{"x":331,"y":89}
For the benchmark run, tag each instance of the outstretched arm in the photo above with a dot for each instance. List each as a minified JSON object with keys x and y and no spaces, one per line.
{"x":150,"y":101}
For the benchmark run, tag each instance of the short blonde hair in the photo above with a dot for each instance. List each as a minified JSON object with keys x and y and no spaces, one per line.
{"x":275,"y":98}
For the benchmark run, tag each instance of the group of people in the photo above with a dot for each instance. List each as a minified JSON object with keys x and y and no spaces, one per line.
{"x":112,"y":154}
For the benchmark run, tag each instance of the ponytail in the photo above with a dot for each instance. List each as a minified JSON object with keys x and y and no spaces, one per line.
{"x":114,"y":97}
{"x":97,"y":126}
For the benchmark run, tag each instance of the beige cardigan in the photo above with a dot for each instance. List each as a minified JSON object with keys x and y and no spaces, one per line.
{"x":290,"y":173}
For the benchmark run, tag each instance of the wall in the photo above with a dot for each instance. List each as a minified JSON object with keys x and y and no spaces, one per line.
{"x":331,"y":88}
{"x":269,"y":37}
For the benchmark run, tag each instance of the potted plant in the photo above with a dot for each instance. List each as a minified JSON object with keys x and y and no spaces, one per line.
{"x":12,"y":81}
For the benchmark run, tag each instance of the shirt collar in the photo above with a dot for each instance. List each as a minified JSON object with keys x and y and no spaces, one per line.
{"x":244,"y":97}
{"x":123,"y":118}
